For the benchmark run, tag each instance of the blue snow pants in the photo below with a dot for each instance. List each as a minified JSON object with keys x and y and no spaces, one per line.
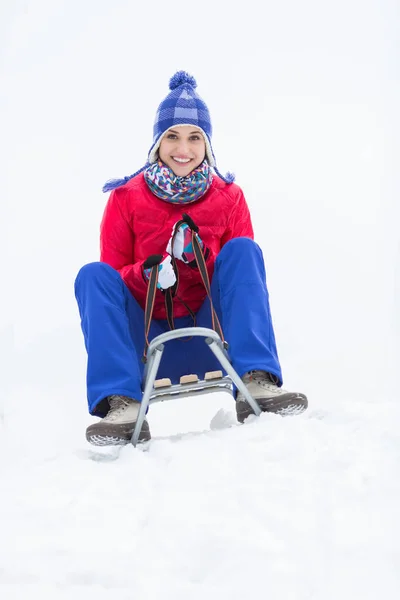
{"x":113,"y":326}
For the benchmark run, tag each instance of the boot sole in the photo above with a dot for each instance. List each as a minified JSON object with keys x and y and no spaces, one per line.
{"x":101,"y":434}
{"x":285,"y":405}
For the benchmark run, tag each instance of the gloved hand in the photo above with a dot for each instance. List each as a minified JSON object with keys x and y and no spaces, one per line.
{"x":166,"y":273}
{"x":183,"y":249}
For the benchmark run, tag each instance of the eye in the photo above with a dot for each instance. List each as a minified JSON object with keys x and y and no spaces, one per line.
{"x":196,"y":138}
{"x":171,"y":136}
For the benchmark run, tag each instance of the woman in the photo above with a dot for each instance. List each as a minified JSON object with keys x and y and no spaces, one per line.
{"x":143,"y":229}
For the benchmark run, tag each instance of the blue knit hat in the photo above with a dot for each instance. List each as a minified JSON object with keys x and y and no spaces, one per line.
{"x":182,"y":106}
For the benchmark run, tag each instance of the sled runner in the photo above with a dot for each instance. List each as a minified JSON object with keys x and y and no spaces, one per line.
{"x":190,"y":385}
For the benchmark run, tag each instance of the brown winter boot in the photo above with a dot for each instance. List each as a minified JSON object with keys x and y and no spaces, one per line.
{"x":117,"y":426}
{"x":271,"y":398}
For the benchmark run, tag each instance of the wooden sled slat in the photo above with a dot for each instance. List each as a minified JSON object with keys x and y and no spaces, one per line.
{"x":213,"y":375}
{"x":188,"y":379}
{"x":161,"y":383}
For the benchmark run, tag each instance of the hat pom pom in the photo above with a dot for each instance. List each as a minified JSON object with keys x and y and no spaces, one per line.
{"x":180,"y":78}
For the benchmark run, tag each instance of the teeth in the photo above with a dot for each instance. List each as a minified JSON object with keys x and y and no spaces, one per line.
{"x":181,"y":160}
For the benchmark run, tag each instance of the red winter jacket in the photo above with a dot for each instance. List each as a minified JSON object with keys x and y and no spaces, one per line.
{"x":137,"y":224}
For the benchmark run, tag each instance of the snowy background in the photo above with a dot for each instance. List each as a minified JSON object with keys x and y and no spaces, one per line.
{"x":304,"y":99}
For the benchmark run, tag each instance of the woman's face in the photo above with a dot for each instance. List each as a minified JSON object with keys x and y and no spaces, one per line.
{"x":182,"y":149}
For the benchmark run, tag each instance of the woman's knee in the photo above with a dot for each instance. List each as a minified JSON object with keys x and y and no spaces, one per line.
{"x":95,"y":271}
{"x":241,"y":256}
{"x":239,"y":244}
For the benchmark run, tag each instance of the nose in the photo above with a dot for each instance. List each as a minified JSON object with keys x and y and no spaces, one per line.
{"x":183,"y":147}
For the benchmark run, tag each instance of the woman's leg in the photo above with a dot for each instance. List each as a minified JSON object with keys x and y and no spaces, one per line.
{"x":240,"y":293}
{"x":113,"y":328}
{"x":240,"y":297}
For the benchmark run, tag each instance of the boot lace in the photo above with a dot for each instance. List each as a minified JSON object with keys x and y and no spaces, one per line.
{"x":118,"y":405}
{"x":262,"y":377}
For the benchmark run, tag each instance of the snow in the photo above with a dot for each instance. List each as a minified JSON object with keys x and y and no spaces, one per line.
{"x":302,"y":507}
{"x":304,"y":99}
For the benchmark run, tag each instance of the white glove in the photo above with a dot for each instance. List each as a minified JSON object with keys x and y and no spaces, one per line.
{"x":166,"y":273}
{"x":179,"y":242}
{"x":183,"y":248}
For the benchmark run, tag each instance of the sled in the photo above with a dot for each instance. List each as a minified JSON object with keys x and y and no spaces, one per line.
{"x":162,"y":390}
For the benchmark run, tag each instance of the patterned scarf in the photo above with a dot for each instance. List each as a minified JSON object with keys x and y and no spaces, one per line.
{"x":179,"y":190}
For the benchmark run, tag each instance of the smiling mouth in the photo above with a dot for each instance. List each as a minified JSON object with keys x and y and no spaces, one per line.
{"x":181,"y":161}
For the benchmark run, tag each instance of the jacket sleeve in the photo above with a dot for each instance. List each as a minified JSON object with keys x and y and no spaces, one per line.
{"x":116,"y":246}
{"x":239,"y":220}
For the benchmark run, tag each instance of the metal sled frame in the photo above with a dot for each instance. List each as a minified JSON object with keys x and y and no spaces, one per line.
{"x":171,"y":392}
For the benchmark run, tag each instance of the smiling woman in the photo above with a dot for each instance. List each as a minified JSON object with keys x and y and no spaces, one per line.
{"x":137,"y":243}
{"x":182,"y":149}
{"x":181,"y":107}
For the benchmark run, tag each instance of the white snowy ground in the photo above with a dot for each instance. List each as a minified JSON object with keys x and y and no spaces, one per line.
{"x":294,"y":508}
{"x":304,"y":98}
